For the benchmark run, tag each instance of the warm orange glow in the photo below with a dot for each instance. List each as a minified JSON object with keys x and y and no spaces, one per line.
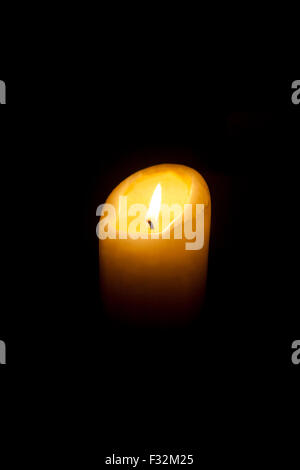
{"x":154,"y":279}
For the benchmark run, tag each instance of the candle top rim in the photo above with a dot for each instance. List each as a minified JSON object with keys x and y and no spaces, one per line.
{"x":179,"y":184}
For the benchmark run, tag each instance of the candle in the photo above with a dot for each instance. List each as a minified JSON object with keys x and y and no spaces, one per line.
{"x":154,"y":240}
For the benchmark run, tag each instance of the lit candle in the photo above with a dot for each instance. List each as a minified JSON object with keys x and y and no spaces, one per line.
{"x":154,"y":245}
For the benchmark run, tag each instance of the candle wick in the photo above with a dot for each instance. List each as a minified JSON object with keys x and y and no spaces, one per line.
{"x":150,"y":224}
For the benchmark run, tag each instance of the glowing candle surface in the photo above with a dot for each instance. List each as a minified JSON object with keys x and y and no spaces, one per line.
{"x":157,"y":275}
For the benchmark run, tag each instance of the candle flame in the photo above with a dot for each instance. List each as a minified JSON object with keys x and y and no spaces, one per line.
{"x":154,"y":208}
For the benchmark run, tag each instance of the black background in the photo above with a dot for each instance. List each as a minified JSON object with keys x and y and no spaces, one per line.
{"x":226,"y":379}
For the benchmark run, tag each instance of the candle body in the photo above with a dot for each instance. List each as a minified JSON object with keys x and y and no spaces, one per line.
{"x":157,"y":280}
